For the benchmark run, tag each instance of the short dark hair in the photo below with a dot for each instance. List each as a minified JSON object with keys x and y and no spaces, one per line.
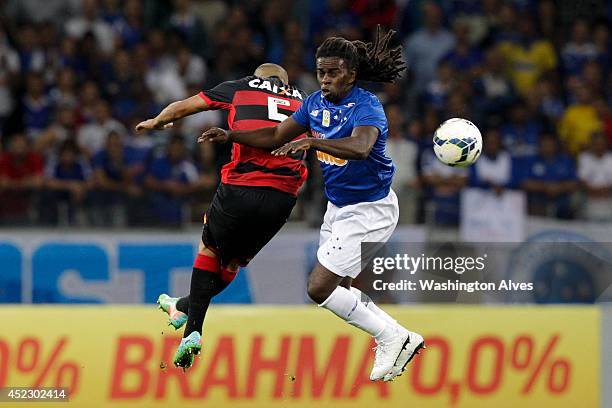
{"x":373,"y":61}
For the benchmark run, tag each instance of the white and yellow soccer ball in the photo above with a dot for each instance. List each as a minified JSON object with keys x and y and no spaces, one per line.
{"x":457,"y":142}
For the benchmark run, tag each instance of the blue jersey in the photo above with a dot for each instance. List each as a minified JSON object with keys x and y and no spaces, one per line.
{"x":349,"y":181}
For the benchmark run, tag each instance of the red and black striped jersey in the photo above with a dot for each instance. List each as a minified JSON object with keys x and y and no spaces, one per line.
{"x":254,"y":103}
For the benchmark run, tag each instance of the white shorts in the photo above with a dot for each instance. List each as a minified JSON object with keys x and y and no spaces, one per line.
{"x":345,"y":228}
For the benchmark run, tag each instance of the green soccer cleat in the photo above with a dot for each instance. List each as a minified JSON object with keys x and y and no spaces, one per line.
{"x":190,"y":347}
{"x":176,"y":318}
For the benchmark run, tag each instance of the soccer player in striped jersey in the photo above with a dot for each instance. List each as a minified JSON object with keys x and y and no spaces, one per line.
{"x":253,"y":201}
{"x":350,"y":132}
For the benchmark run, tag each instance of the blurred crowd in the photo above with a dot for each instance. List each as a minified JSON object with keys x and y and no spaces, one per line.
{"x":77,"y":75}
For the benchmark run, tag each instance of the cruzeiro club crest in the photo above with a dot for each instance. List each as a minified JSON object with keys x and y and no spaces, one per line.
{"x":326,"y":118}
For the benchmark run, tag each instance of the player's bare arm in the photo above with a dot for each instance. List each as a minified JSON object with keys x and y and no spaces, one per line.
{"x":264,"y":138}
{"x":173,"y":112}
{"x":355,"y":147}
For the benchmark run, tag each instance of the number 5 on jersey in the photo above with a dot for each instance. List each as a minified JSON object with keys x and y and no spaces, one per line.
{"x":273,"y":112}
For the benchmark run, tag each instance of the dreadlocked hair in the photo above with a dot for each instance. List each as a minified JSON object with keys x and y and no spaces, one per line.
{"x":373,"y":61}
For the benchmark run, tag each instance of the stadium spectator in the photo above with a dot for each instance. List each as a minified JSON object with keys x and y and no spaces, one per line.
{"x":210,"y":12}
{"x":141,"y":147}
{"x":520,"y":135}
{"x":472,"y":15}
{"x":549,"y":179}
{"x":31,"y":56}
{"x":206,"y":164}
{"x":88,"y":20}
{"x":437,"y":91}
{"x":494,"y":91}
{"x":66,"y":182}
{"x":601,"y":38}
{"x":442,"y":185}
{"x":595,"y":175}
{"x":20,"y":177}
{"x":403,"y":151}
{"x":163,"y":79}
{"x":579,"y":50}
{"x":426,"y":47}
{"x":185,"y":22}
{"x":548,"y":20}
{"x":112,"y":14}
{"x":118,"y":84}
{"x":113,"y":182}
{"x":493,"y":170}
{"x":372,"y":13}
{"x":171,"y":179}
{"x":89,"y":96}
{"x":549,"y":98}
{"x":36,"y":107}
{"x":592,"y":77}
{"x":504,"y":25}
{"x":457,"y":106}
{"x":91,"y":137}
{"x":464,"y":58}
{"x":579,"y":121}
{"x":65,"y":91}
{"x":69,"y":57}
{"x":272,"y":30}
{"x":527,"y":57}
{"x":190,"y":67}
{"x":62,"y":128}
{"x":130,"y":28}
{"x":335,"y":16}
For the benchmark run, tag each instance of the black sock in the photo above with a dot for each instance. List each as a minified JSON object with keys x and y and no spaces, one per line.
{"x":204,"y":285}
{"x":220,"y":287}
{"x":182,"y":305}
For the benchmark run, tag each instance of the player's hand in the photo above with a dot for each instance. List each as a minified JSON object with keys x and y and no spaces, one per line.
{"x":214,"y":134}
{"x":152,"y":124}
{"x":293,"y":147}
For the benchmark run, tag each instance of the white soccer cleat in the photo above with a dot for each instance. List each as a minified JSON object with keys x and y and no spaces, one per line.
{"x":411,"y":348}
{"x":387,"y":353}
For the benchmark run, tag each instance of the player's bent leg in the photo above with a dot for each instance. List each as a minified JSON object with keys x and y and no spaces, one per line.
{"x":191,"y":344}
{"x":205,"y":280}
{"x":346,"y":305}
{"x":415,"y":340}
{"x":178,"y":308}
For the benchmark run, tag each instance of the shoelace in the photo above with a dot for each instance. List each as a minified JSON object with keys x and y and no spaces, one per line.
{"x":379,"y":349}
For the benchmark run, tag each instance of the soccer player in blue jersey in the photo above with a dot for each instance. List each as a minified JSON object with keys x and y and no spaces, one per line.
{"x":350,"y":132}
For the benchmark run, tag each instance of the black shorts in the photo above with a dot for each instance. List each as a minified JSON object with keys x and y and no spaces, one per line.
{"x":242,"y":220}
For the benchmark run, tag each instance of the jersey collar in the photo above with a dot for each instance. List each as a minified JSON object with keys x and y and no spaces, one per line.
{"x":349,"y":97}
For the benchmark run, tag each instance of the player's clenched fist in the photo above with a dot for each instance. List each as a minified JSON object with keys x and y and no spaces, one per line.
{"x":214,"y":134}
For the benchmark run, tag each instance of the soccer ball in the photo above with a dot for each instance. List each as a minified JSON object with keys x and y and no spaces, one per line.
{"x":457,"y":142}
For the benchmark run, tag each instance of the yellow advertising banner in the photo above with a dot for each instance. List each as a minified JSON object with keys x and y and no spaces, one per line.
{"x":254,"y":356}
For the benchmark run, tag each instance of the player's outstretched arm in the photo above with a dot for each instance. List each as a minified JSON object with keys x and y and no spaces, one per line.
{"x":264,"y":138}
{"x":355,"y":147}
{"x":175,"y":111}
